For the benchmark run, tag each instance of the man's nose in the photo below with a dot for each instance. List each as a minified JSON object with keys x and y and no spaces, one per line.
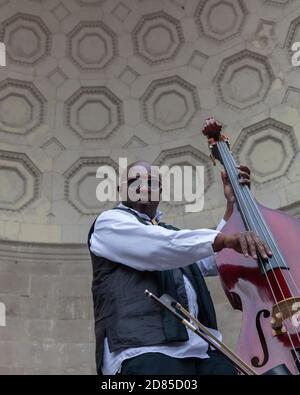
{"x":144,"y":188}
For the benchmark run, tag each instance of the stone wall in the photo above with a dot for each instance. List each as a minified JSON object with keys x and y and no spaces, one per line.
{"x":90,"y":81}
{"x":49,"y":326}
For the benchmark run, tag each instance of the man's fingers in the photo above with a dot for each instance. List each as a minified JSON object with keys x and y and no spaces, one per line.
{"x":244,"y":178}
{"x":244,"y":174}
{"x":263,"y":248}
{"x":248,"y":243}
{"x":268,"y":250}
{"x":256,"y":245}
{"x":252,"y":245}
{"x":245,"y":182}
{"x":243,"y":244}
{"x":244,"y":169}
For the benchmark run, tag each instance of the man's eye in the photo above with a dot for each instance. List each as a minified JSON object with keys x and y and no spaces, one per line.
{"x":129,"y":182}
{"x":134,"y":183}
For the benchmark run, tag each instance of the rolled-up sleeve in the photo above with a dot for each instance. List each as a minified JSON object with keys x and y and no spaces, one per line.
{"x":120,"y":237}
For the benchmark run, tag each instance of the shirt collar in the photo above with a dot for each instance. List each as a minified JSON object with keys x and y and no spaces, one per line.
{"x":157,"y":217}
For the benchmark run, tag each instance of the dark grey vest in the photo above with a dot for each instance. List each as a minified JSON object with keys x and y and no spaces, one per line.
{"x":127,"y":317}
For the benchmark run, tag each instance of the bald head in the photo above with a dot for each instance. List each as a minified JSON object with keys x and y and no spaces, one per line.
{"x":142,"y":163}
{"x":140,"y":167}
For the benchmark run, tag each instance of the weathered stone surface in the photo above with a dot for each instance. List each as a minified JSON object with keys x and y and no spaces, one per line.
{"x":49,"y":319}
{"x":90,"y":81}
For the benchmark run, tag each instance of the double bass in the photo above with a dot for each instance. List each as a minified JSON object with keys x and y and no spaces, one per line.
{"x":266,"y":291}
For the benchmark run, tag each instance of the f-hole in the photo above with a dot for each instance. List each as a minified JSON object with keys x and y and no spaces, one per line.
{"x":255,"y":360}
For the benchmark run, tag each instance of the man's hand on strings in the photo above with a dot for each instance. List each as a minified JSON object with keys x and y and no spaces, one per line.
{"x":247,"y":243}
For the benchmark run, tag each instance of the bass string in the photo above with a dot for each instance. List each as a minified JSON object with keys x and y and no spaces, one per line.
{"x":244,"y":208}
{"x":267,"y":235}
{"x":233,"y":175}
{"x":270,"y":240}
{"x":284,"y":273}
{"x":266,"y":231}
{"x":230,"y":166}
{"x":247,"y":192}
{"x":286,"y":304}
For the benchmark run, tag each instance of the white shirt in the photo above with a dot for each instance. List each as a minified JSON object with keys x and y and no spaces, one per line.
{"x":120,"y":237}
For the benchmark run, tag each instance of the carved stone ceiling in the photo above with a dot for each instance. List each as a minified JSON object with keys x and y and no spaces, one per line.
{"x":90,"y":81}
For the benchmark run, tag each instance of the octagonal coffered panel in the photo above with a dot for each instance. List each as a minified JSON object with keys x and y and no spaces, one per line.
{"x":293,"y":35}
{"x":22,"y":107}
{"x":90,"y":3}
{"x":220,"y":19}
{"x":170,"y":103}
{"x":268,"y":147}
{"x":278,"y":2}
{"x":244,"y":79}
{"x":185,"y":156}
{"x":157,"y":37}
{"x":292,"y":97}
{"x":92,"y":45}
{"x":93,"y":113}
{"x":19,"y":179}
{"x":27,"y":39}
{"x":81,"y":185}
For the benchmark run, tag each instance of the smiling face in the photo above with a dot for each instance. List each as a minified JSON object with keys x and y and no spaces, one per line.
{"x":141,"y":188}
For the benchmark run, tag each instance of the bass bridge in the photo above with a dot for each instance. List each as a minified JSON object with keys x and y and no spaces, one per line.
{"x":286,"y":309}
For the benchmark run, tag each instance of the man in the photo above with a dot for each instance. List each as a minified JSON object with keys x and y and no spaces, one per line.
{"x":132,"y":250}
